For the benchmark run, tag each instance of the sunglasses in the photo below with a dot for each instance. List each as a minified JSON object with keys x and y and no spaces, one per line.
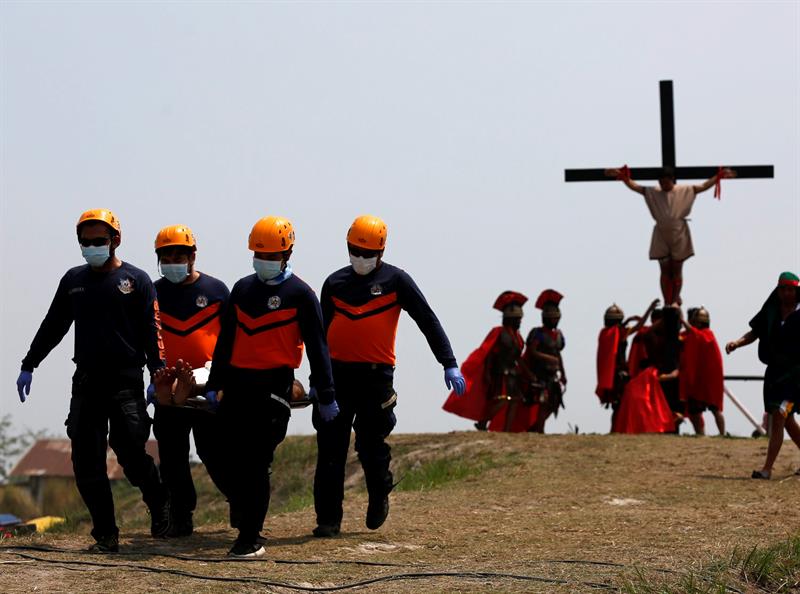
{"x":94,"y":241}
{"x":361,"y":252}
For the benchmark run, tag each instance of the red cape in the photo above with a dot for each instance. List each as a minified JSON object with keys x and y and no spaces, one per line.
{"x":638,"y":351}
{"x":524,"y":418}
{"x":701,"y":374}
{"x":607,"y":349}
{"x":643,"y":408}
{"x":473,"y":403}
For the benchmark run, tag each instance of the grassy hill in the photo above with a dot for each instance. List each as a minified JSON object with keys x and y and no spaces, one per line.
{"x":510,"y":513}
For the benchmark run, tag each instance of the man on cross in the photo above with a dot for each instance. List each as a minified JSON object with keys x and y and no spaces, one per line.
{"x":670,"y":204}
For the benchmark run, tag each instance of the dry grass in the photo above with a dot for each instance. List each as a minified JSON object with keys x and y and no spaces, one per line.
{"x":520,"y":504}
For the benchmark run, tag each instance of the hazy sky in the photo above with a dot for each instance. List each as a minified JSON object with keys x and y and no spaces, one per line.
{"x":452,"y":121}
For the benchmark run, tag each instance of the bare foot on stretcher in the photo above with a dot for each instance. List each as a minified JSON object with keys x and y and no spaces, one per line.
{"x":163,"y":379}
{"x":298,"y":391}
{"x":184,"y":387}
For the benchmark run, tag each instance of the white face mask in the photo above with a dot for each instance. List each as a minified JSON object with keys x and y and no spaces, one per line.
{"x":96,"y":255}
{"x":267,"y":269}
{"x":363,"y":266}
{"x":175,"y":273}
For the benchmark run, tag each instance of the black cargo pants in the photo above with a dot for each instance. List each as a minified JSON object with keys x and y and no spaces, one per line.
{"x":254,"y":414}
{"x":366,"y":399}
{"x":108,"y":408}
{"x":171,"y":427}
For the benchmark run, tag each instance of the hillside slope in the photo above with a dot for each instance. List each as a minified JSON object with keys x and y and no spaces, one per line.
{"x":474,"y":503}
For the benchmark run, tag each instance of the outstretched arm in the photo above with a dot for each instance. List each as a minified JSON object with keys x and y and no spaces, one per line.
{"x":711,"y":181}
{"x":645,"y":316}
{"x":748,"y":338}
{"x":624,"y":176}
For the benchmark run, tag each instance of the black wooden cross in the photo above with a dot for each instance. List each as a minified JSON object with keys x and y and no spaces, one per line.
{"x":668,"y":155}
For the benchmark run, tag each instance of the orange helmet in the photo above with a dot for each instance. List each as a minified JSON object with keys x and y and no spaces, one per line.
{"x":175,"y":235}
{"x":271,"y":234}
{"x":367,"y":232}
{"x":101,"y":215}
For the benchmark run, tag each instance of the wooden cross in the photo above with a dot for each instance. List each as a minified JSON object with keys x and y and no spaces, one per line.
{"x":668,"y":155}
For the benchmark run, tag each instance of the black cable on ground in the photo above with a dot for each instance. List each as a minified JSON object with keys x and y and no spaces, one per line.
{"x":357,"y":562}
{"x":361,"y":583}
{"x":180,"y":557}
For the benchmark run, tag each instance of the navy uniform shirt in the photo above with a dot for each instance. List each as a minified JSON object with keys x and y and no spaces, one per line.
{"x":266,"y":327}
{"x":190,"y":318}
{"x":116,"y":321}
{"x":361,"y":313}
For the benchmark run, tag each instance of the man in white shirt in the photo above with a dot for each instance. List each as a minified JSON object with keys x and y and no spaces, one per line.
{"x":670,"y":205}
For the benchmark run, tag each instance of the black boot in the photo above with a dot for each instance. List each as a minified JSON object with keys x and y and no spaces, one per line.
{"x":159,"y":519}
{"x":180,"y":525}
{"x":377,"y":511}
{"x":105,"y":544}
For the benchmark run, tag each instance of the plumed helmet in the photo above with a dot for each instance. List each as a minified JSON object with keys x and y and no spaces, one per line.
{"x":510,"y":303}
{"x":548,"y":301}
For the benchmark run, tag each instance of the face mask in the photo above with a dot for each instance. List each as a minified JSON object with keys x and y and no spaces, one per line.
{"x":363,"y":265}
{"x":267,"y":269}
{"x":96,"y":255}
{"x":175,"y":273}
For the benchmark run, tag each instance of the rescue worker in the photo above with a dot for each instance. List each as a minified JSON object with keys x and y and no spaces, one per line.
{"x":361,"y":305}
{"x":777,"y":328}
{"x":543,"y":357}
{"x":191,"y":303}
{"x":498,"y":384}
{"x":670,"y":204}
{"x":114,"y":307}
{"x":270,"y":316}
{"x":701,"y":375}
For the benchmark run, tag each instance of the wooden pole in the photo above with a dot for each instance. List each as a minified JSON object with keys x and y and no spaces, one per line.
{"x":744,"y":411}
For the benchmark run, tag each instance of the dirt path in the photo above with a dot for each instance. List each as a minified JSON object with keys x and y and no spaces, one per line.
{"x":650,"y":501}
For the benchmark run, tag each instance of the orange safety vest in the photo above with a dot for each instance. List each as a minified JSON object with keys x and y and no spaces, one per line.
{"x":268,"y":341}
{"x":193,"y":339}
{"x":364,"y":333}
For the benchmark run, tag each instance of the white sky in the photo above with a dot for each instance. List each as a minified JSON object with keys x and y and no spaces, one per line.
{"x":452,"y":121}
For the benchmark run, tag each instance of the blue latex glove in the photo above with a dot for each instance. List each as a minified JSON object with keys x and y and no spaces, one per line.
{"x":211,"y":396}
{"x":454,"y":380}
{"x":24,"y":383}
{"x":328,"y":412}
{"x":151,"y":394}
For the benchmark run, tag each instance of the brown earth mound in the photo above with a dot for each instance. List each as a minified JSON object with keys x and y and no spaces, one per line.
{"x":540,"y":514}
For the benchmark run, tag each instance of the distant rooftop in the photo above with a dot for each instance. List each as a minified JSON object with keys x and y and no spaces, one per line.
{"x":53,"y":458}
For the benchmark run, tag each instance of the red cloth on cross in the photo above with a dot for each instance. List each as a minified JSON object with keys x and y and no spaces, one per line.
{"x":643,"y":408}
